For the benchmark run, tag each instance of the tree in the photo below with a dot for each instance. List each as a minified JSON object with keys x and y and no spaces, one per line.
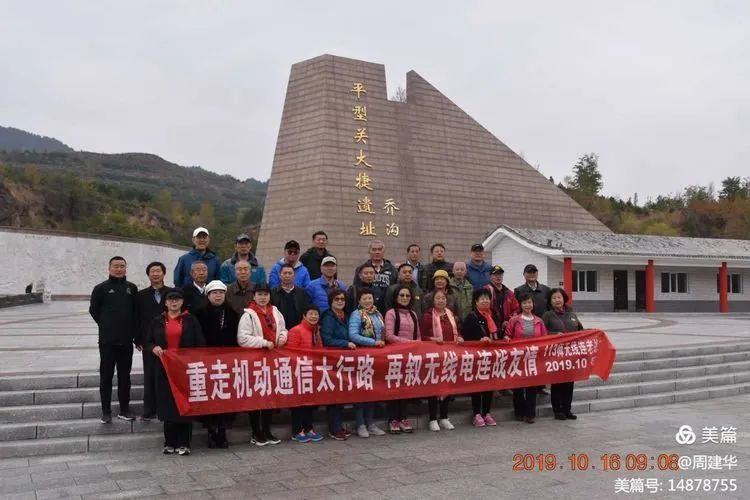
{"x":399,"y":95}
{"x":733,"y":187}
{"x":586,"y":178}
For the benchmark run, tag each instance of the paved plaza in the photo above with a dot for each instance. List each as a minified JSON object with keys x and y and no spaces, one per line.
{"x":465,"y":463}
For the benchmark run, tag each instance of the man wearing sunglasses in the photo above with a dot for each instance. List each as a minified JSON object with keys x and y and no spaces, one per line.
{"x":291,"y":257}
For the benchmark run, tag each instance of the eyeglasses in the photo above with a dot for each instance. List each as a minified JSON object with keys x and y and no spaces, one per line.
{"x":339,"y":299}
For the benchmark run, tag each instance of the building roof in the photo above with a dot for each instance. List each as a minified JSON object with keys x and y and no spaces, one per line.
{"x":602,"y":243}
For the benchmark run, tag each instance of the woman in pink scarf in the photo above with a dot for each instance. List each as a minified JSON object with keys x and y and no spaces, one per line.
{"x":439,"y":325}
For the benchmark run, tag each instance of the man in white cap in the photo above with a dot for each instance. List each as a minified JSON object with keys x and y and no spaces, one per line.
{"x":318,"y":288}
{"x":201,"y":252}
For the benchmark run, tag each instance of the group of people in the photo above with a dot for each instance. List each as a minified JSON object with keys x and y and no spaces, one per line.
{"x":302,"y":303}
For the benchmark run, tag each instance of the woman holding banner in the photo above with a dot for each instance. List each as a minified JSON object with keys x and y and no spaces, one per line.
{"x":483,"y":325}
{"x":439,"y":325}
{"x":560,"y":318}
{"x":525,"y":326}
{"x":261,"y":327}
{"x":401,"y":326}
{"x":174,"y":329}
{"x":366,"y":328}
{"x":306,"y":335}
{"x":335,"y":333}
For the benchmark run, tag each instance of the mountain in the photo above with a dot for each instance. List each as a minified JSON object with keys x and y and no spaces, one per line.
{"x":13,"y":139}
{"x":133,"y":194}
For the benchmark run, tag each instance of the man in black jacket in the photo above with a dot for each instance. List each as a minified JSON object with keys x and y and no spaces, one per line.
{"x":289,"y":299}
{"x":437,"y":251}
{"x":114,"y":308}
{"x":194,"y":292}
{"x":150,"y":303}
{"x":313,"y":257}
{"x":538,"y":291}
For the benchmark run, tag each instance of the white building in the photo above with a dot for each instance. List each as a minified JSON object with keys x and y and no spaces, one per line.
{"x":629,"y":272}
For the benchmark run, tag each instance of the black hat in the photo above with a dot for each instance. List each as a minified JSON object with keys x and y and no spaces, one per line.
{"x":291,"y":244}
{"x":497,"y":269}
{"x":173,"y":294}
{"x":242,"y":237}
{"x":530,"y":268}
{"x":261,"y":287}
{"x":477,"y":247}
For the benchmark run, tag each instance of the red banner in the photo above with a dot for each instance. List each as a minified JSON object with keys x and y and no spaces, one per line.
{"x":216,"y":380}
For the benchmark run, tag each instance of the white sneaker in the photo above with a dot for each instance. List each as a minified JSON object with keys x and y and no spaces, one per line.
{"x":434,"y":425}
{"x":375,"y":430}
{"x":362,"y":432}
{"x":446,"y":424}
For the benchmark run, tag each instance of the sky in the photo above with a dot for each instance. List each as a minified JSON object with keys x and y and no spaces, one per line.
{"x":660,"y":90}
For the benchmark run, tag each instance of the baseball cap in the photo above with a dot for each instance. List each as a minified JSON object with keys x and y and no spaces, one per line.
{"x":173,"y":294}
{"x":242,"y":237}
{"x":497,"y":269}
{"x":477,"y":247}
{"x":199,"y":230}
{"x":329,"y":259}
{"x":291,"y":244}
{"x":530,"y":268}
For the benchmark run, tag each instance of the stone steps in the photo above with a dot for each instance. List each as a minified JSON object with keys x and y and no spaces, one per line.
{"x":59,"y":412}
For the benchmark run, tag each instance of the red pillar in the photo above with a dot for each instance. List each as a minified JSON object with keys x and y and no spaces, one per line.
{"x":723,"y":292}
{"x":568,"y":278}
{"x":650,"y":306}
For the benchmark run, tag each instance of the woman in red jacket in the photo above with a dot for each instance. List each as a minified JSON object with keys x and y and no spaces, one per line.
{"x":439,"y":325}
{"x":305,"y":335}
{"x":525,"y":326}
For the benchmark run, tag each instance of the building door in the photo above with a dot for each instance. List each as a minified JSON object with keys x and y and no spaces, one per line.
{"x":621,"y":290}
{"x":640,"y":290}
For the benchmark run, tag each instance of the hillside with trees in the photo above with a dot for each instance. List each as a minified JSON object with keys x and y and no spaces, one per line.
{"x":135,"y":195}
{"x":697,"y":211}
{"x":13,"y":139}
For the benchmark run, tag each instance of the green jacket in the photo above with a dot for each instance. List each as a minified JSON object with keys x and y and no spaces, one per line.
{"x":463,"y":292}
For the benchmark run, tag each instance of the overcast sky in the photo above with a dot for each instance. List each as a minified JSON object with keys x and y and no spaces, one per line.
{"x":659,"y":89}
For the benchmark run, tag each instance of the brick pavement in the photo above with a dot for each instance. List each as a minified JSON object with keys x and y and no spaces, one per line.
{"x":465,"y":463}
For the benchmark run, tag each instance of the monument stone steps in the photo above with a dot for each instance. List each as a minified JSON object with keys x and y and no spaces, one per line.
{"x":63,"y":416}
{"x":240,"y":435}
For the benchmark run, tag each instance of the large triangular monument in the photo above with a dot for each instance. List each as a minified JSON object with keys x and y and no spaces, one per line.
{"x":360,"y":167}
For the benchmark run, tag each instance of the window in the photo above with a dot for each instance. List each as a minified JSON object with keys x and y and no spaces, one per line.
{"x":584,"y":281}
{"x":674,"y":283}
{"x":734,"y":283}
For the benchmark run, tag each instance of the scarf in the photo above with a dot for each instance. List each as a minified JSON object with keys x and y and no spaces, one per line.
{"x":315,"y":331}
{"x":491,"y":327}
{"x":437,"y":328}
{"x":368,"y":327}
{"x":267,"y":321}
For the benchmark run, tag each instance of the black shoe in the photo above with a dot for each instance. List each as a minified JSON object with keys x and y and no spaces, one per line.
{"x":126,"y":415}
{"x":520,"y":418}
{"x":258,"y":440}
{"x":560,"y":416}
{"x":147,"y":417}
{"x":106,"y":418}
{"x":529,"y":420}
{"x":272,"y":439}
{"x":570,"y":416}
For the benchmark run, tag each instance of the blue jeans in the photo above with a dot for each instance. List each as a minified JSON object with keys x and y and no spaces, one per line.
{"x":364,"y":413}
{"x":334,"y":418}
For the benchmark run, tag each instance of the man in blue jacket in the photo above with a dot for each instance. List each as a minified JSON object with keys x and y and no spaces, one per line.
{"x":318,"y":289}
{"x":243,"y":251}
{"x":291,"y":257}
{"x":477,"y":269}
{"x":201,"y":252}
